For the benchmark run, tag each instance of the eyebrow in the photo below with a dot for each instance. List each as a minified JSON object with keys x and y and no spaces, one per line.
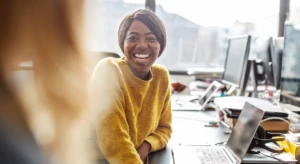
{"x":136,"y":33}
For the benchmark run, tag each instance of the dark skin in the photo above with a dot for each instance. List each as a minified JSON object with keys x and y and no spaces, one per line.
{"x":144,"y":150}
{"x":141,"y":49}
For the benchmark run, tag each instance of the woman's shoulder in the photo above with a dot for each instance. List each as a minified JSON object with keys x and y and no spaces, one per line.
{"x":106,"y":67}
{"x":108,"y":62}
{"x":157,"y":68}
{"x":160,"y":72}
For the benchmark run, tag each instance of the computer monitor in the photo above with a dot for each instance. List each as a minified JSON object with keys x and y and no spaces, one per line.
{"x":290,"y":76}
{"x":236,"y":62}
{"x":276,"y":47}
{"x":252,"y":82}
{"x":263,"y":51}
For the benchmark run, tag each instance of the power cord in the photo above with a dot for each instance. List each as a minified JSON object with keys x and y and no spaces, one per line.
{"x":274,"y":118}
{"x":221,"y":143}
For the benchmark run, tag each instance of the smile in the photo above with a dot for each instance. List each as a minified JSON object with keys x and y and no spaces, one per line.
{"x":141,"y":56}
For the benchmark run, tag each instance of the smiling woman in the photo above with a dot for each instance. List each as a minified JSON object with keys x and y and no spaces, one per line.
{"x":142,"y":39}
{"x":141,"y":49}
{"x":138,"y":119}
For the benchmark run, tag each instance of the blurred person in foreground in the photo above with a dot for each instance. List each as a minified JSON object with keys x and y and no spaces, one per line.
{"x":48,"y":33}
{"x":139,"y":120}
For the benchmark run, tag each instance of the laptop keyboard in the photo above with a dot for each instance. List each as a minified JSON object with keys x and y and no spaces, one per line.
{"x":212,"y":155}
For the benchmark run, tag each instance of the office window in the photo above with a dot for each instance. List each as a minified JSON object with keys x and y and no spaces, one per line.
{"x":197,"y":30}
{"x":103,"y":18}
{"x":294,"y":14}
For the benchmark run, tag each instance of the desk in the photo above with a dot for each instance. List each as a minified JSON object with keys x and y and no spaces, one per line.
{"x":189,"y":129}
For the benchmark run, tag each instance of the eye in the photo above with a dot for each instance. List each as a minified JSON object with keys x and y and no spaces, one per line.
{"x":151,"y":39}
{"x":132,"y":38}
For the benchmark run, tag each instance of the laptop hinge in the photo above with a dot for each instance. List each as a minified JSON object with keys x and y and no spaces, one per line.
{"x":231,"y":155}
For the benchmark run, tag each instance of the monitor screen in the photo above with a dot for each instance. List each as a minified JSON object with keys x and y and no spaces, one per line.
{"x":276,"y":45}
{"x":290,"y":76}
{"x":236,"y":61}
{"x":263,"y":51}
{"x":209,"y":93}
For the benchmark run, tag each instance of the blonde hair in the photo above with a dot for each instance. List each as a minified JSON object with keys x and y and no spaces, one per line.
{"x":48,"y":32}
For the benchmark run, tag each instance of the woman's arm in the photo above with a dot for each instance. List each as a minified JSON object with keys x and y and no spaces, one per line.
{"x":160,"y":137}
{"x":111,"y":124}
{"x":114,"y":140}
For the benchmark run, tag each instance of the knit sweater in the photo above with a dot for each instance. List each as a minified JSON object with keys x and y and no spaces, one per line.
{"x":139,"y":111}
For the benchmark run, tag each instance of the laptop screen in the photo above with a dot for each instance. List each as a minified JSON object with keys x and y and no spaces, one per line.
{"x":244,"y":130}
{"x":210,"y":91}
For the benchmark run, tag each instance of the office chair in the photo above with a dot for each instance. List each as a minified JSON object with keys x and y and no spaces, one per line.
{"x":103,"y":54}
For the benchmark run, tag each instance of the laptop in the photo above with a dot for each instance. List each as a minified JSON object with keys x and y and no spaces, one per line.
{"x":235,"y":104}
{"x":183,"y":104}
{"x":234,"y":150}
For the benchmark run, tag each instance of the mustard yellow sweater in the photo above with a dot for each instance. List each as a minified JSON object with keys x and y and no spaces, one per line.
{"x":139,"y":111}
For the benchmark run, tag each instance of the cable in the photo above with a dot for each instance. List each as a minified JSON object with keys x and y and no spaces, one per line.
{"x":221,"y":143}
{"x":274,"y":118}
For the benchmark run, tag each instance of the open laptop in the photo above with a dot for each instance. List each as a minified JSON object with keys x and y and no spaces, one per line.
{"x":234,"y":150}
{"x":200,"y":103}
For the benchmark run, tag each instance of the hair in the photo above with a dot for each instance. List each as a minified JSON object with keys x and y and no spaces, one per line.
{"x":49,"y":33}
{"x":151,"y":20}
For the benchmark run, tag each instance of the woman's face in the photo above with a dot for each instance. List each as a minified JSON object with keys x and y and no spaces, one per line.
{"x":141,"y":47}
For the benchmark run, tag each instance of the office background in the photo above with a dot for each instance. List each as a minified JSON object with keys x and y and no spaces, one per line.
{"x":197,"y":30}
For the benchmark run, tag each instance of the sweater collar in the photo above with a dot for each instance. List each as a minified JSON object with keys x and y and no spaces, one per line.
{"x":132,"y":76}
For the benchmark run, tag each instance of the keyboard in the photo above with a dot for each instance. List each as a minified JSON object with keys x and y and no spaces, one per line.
{"x":212,"y":155}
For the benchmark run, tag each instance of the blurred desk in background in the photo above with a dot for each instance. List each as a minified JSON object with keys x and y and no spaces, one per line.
{"x":202,"y":73}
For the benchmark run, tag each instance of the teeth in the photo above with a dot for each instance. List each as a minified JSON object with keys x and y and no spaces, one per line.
{"x":142,"y":55}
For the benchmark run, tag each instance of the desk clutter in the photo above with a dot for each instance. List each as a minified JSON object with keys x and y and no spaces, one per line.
{"x":239,"y":143}
{"x":291,"y":144}
{"x":275,"y":118}
{"x":283,"y":118}
{"x":263,"y":83}
{"x":270,"y":125}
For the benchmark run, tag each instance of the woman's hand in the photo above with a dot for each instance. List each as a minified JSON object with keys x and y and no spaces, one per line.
{"x":144,"y":150}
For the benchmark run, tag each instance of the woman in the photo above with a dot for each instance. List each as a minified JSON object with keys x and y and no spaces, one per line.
{"x":46,"y":124}
{"x":138,"y":119}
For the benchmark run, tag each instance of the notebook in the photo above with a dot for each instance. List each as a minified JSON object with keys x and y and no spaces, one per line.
{"x":234,"y":150}
{"x":200,"y":103}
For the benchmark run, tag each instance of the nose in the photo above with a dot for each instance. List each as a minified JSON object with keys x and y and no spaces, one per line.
{"x":141,"y":45}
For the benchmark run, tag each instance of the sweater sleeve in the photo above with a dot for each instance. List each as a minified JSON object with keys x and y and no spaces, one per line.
{"x":113,"y":137}
{"x":160,"y":137}
{"x":111,"y":125}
